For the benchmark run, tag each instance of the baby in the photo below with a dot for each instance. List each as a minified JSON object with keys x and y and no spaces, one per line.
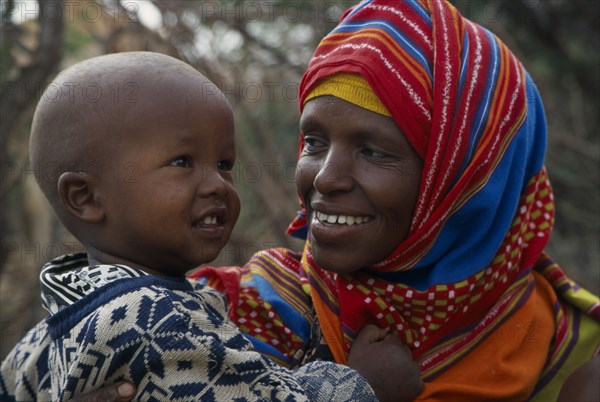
{"x":134,"y":152}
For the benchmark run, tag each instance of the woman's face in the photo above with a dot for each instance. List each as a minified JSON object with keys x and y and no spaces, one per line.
{"x":359,"y":178}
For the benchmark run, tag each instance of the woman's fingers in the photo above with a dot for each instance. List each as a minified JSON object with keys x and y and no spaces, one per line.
{"x":118,"y":392}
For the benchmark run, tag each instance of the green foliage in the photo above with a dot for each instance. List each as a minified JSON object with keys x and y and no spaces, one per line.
{"x":76,"y":39}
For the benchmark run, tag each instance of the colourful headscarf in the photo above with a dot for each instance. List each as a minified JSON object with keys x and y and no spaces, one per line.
{"x":470,"y":287}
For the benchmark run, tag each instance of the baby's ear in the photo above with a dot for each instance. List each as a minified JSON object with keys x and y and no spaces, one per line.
{"x":76,"y":192}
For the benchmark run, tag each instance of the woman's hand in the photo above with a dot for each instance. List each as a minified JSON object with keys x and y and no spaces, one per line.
{"x":387,"y":365}
{"x":118,"y":392}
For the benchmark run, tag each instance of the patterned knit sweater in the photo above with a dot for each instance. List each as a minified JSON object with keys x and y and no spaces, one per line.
{"x":170,"y":337}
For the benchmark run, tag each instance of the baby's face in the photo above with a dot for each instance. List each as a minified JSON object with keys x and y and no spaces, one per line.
{"x":169,"y":198}
{"x":359,"y":179}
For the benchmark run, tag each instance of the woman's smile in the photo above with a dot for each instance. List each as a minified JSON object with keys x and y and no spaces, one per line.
{"x":359,"y":179}
{"x":338,"y":228}
{"x":341,"y":219}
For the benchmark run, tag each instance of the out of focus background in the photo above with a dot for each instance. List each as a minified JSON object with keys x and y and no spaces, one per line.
{"x":256,"y":52}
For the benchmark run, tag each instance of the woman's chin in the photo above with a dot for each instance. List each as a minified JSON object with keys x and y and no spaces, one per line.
{"x":340,"y":263}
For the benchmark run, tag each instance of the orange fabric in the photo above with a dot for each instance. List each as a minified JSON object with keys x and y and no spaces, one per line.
{"x":510,"y":372}
{"x":330,"y":327}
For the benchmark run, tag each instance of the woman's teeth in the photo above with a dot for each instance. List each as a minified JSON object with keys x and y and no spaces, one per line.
{"x":341,"y":219}
{"x":210,"y":220}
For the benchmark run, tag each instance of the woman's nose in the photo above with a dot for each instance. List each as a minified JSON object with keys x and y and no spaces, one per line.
{"x":335,"y":173}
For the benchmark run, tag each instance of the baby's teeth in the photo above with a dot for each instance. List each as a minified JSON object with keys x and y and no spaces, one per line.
{"x":210,"y":220}
{"x":342,"y":219}
{"x":350,"y":220}
{"x":332,"y":218}
{"x":359,"y":220}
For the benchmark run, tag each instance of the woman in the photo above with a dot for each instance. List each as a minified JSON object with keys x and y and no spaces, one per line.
{"x":453,"y":262}
{"x":453,"y":259}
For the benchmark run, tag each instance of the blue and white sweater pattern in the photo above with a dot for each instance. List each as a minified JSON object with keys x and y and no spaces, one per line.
{"x":170,"y":338}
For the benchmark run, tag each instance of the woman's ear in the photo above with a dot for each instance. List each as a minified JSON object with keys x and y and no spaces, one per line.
{"x":76,"y":192}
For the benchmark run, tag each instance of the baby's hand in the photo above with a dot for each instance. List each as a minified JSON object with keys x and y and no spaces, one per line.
{"x":387,"y":365}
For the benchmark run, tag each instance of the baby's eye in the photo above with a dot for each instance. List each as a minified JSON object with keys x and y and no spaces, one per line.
{"x":182,"y":161}
{"x":225,"y":165}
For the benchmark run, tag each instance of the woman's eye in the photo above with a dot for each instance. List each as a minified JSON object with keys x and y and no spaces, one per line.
{"x":373,"y":153}
{"x":312,"y":144}
{"x":225,"y":165}
{"x":181,"y":161}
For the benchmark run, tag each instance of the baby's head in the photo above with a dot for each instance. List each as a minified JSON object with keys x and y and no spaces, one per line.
{"x":134,"y":152}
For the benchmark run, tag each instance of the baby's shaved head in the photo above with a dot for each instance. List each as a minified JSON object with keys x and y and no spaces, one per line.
{"x":91,"y":102}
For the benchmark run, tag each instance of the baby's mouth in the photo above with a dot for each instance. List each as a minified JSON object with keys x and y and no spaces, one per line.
{"x":209,"y":221}
{"x":342,"y":219}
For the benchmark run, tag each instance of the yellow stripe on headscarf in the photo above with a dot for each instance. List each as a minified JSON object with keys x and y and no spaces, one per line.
{"x":352,"y":88}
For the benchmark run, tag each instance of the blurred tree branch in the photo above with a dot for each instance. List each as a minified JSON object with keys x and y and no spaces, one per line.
{"x":22,"y":83}
{"x":45,"y":59}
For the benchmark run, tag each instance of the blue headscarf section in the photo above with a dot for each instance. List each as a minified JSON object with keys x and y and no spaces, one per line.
{"x":470,"y":238}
